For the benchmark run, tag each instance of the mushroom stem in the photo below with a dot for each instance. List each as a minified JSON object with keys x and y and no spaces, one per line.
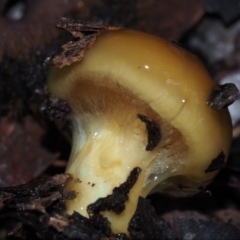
{"x":105,"y":150}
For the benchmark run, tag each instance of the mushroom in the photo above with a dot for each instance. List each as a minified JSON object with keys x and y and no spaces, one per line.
{"x":139,"y":101}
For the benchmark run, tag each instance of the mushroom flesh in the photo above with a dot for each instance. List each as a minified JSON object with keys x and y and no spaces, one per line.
{"x":139,"y":101}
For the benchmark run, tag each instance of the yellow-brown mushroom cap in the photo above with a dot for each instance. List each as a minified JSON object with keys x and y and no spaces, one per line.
{"x":173,"y":82}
